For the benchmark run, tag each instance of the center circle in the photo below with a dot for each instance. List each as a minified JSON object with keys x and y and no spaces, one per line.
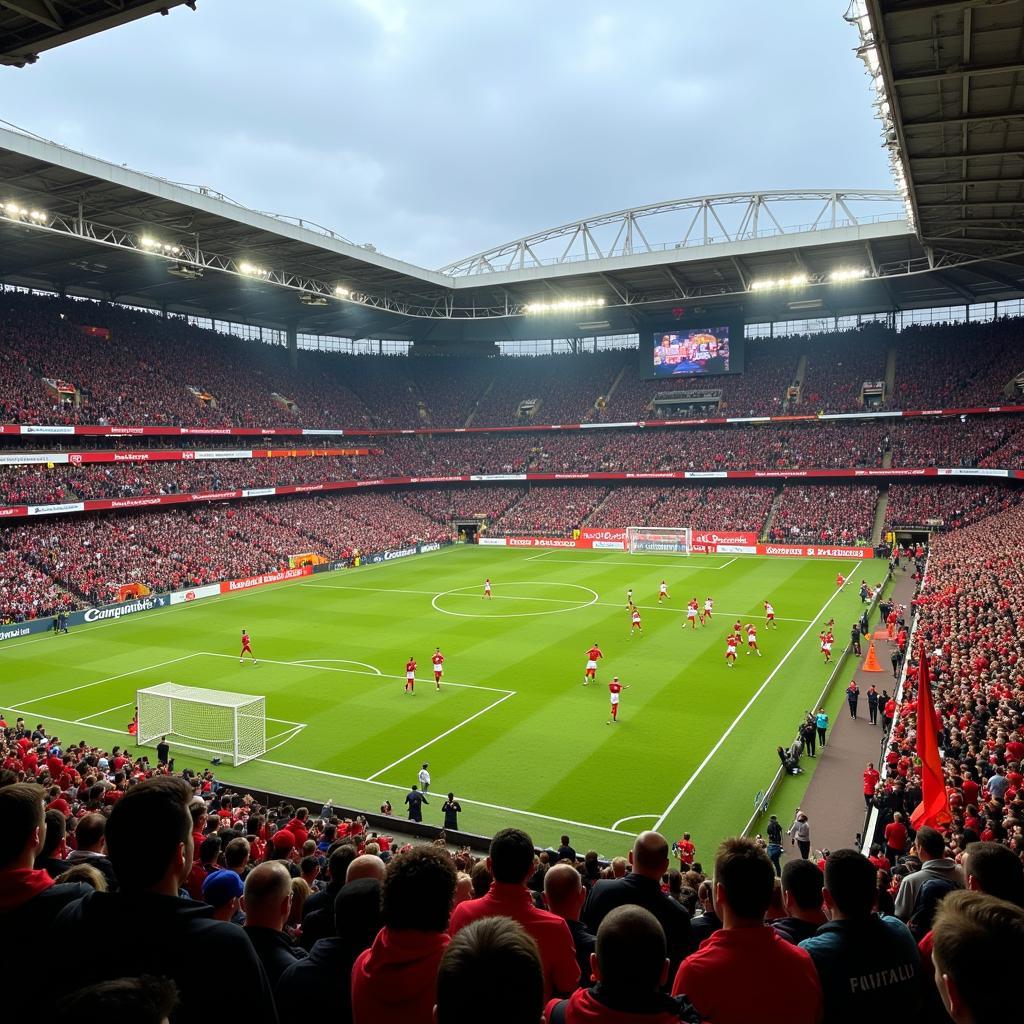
{"x":572,"y":604}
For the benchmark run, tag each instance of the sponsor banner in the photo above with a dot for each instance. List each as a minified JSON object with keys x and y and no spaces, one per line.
{"x":13,"y":511}
{"x":31,"y":458}
{"x":545,"y":542}
{"x":814,"y":551}
{"x":965,"y":471}
{"x":214,"y":453}
{"x":231,"y":586}
{"x":491,"y":541}
{"x":735,"y":549}
{"x":430,"y":546}
{"x":209,"y":496}
{"x":141,"y":502}
{"x":722,"y":537}
{"x":118,"y":611}
{"x":195,"y":593}
{"x":596,"y":533}
{"x":390,"y":556}
{"x":52,"y":510}
{"x":48,"y":430}
{"x":325,"y":433}
{"x":499,"y":476}
{"x":259,"y":492}
{"x":14,"y":630}
{"x":705,"y":474}
{"x":608,"y":545}
{"x":438,"y":479}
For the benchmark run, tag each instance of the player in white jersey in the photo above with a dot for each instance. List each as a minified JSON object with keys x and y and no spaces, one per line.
{"x":709,"y":607}
{"x":751,"y":630}
{"x":635,"y":626}
{"x":487,"y":587}
{"x":769,"y":616}
{"x":662,"y":592}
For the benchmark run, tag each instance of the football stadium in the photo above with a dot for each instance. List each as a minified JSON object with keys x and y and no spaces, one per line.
{"x":557,"y":635}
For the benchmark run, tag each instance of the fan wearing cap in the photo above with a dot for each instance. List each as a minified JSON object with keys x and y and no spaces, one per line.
{"x":283,"y":847}
{"x":222,"y":889}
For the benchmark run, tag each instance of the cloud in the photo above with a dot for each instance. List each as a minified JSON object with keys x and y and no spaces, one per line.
{"x":438,"y":129}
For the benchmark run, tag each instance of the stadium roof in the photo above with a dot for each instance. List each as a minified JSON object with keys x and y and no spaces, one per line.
{"x":71,"y":222}
{"x":950,"y":92}
{"x":27,"y":27}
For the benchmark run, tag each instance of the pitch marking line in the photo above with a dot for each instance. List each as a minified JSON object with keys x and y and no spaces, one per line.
{"x":356,"y":672}
{"x":640,"y":565}
{"x":97,"y":682}
{"x":311,"y":662}
{"x":447,"y":732}
{"x":464,"y":800}
{"x":98,"y":714}
{"x":750,"y":703}
{"x":634,"y":817}
{"x":572,"y":607}
{"x":547,"y":600}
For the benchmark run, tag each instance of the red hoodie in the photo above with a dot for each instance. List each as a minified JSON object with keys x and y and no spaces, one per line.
{"x":19,"y":885}
{"x":395,"y":979}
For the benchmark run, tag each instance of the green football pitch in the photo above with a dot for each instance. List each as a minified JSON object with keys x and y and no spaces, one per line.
{"x":513,"y":732}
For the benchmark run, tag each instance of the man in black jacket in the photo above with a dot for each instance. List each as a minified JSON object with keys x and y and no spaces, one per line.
{"x":324,"y":978}
{"x":642,"y":888}
{"x":149,"y":842}
{"x":802,"y":882}
{"x":267,"y":902}
{"x":29,"y":898}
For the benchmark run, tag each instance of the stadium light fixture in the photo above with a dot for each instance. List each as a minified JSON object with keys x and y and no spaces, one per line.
{"x":768,"y":284}
{"x":562,"y":306}
{"x":844,"y":274}
{"x":251,"y":270}
{"x":14,"y":211}
{"x":341,"y":291}
{"x":155,"y":245}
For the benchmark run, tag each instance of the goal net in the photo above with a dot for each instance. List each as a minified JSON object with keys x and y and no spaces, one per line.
{"x":664,"y":540}
{"x":232,"y":726}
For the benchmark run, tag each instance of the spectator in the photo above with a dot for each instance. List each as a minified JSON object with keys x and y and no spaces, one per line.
{"x":90,"y":847}
{"x":267,"y":902}
{"x":869,"y":965}
{"x":143,"y":1000}
{"x":642,"y":887}
{"x":30,"y":900}
{"x":774,"y":833}
{"x":773,"y":972}
{"x":935,"y":867}
{"x":895,"y":838}
{"x":565,"y":895}
{"x":511,"y":863}
{"x":978,"y":938}
{"x":324,"y":977}
{"x":491,"y":971}
{"x":630,"y":968}
{"x":708,"y":922}
{"x":222,"y":890}
{"x":366,"y":865}
{"x":800,"y":834}
{"x":802,"y":882}
{"x":565,"y":850}
{"x":395,"y":978}
{"x":149,"y":841}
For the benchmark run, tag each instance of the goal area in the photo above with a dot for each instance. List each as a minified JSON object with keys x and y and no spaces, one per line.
{"x":662,"y":540}
{"x":231,"y":726}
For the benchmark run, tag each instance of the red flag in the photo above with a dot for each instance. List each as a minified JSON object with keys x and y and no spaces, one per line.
{"x":934,"y":806}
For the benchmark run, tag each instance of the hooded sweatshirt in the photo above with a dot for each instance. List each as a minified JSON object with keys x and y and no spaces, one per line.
{"x":395,"y":979}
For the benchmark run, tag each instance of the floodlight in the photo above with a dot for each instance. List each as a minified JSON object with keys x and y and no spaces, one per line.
{"x":844,"y":274}
{"x":562,"y":305}
{"x":252,"y":270}
{"x":341,"y":291}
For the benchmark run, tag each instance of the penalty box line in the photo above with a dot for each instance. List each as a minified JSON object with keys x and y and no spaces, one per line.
{"x":464,"y":800}
{"x":750,"y":703}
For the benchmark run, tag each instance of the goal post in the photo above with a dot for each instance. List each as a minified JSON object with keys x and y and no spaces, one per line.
{"x":662,"y":540}
{"x":232,"y":726}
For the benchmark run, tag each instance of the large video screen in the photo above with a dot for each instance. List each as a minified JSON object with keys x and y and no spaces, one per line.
{"x":691,"y":351}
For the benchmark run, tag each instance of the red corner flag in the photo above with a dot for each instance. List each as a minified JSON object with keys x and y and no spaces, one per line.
{"x":934,"y":806}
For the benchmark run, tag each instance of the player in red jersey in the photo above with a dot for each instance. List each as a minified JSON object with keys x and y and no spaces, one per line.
{"x":635,"y":626}
{"x":246,"y":647}
{"x":692,"y":613}
{"x":737,"y":627}
{"x":730,"y":649}
{"x":410,"y":675}
{"x":709,"y":607}
{"x":438,"y":659}
{"x":826,"y":644}
{"x":769,"y":616}
{"x":663,"y":592}
{"x":840,"y":580}
{"x":751,"y":631}
{"x":685,"y":851}
{"x":615,"y":688}
{"x":487,"y":587}
{"x":591,"y":670}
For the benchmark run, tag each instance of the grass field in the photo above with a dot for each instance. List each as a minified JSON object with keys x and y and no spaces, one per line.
{"x":513,"y":732}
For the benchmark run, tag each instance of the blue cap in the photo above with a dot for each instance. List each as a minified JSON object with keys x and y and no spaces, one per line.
{"x":221,"y":886}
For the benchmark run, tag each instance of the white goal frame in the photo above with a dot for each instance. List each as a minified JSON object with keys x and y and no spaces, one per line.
{"x":662,"y":540}
{"x":232,"y":726}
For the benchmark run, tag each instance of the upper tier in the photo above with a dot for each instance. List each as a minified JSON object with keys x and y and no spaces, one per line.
{"x":155,"y":372}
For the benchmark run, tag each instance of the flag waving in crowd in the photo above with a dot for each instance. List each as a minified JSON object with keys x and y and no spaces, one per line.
{"x":934,"y":806}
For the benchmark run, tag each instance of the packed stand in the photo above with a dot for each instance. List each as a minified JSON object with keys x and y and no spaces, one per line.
{"x":701,"y":508}
{"x":949,"y":506}
{"x":823,"y":514}
{"x":953,"y":442}
{"x":838,"y":365}
{"x":444,"y":506}
{"x":549,"y":511}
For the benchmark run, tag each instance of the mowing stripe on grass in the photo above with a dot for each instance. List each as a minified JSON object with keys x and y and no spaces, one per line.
{"x":447,"y":732}
{"x":750,"y":703}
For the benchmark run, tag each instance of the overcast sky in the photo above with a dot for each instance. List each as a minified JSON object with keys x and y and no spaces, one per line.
{"x":438,"y":128}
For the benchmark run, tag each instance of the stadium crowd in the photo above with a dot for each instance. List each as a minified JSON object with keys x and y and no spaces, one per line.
{"x":947,"y":505}
{"x":825,"y":514}
{"x":137,"y":368}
